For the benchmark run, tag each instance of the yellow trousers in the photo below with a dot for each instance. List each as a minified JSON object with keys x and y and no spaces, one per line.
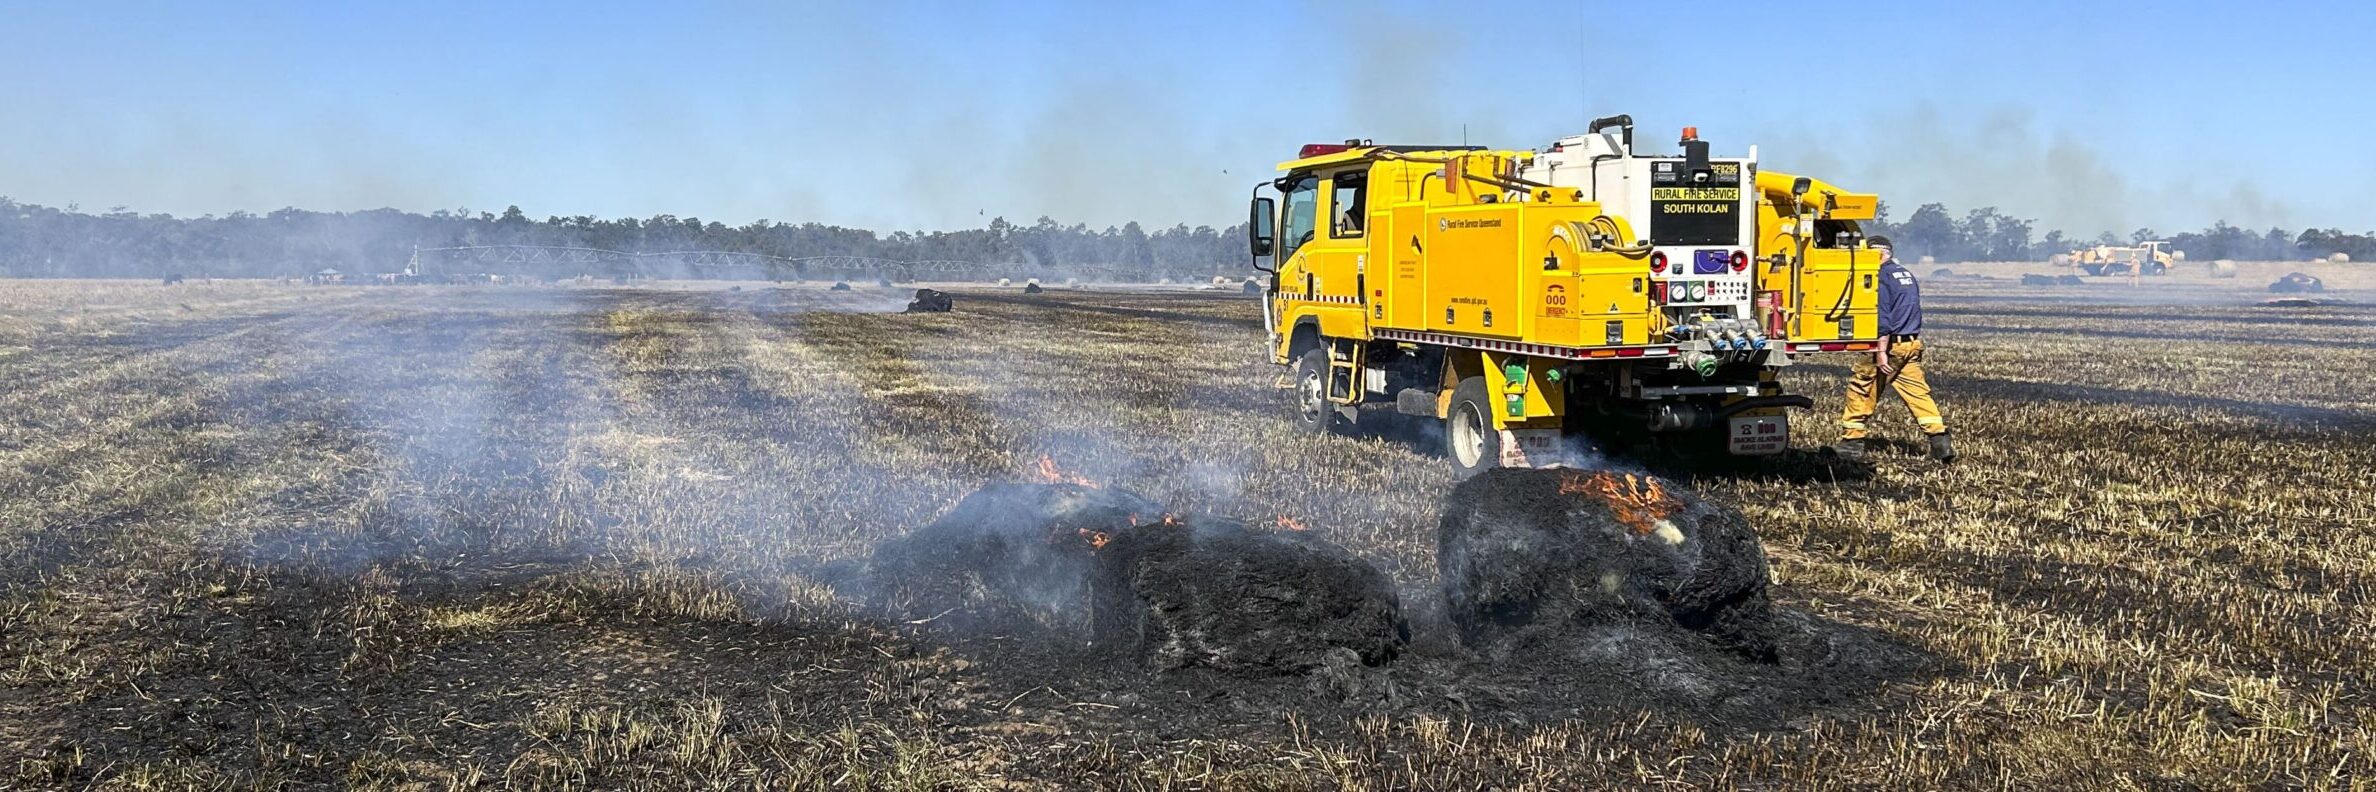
{"x":1864,"y":392}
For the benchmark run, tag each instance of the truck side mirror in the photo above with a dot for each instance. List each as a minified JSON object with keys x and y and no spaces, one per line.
{"x":1260,"y":236}
{"x":1800,"y":186}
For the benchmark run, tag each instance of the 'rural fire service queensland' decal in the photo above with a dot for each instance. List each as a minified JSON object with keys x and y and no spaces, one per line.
{"x":1690,"y":211}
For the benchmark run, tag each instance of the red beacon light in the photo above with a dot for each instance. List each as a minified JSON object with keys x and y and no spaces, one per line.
{"x":1311,"y":150}
{"x":1691,"y":133}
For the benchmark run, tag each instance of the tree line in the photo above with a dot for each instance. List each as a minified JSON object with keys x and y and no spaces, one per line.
{"x":1986,"y":234}
{"x":40,"y":241}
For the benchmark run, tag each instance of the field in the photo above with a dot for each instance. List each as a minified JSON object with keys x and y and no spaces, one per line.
{"x":259,"y":536}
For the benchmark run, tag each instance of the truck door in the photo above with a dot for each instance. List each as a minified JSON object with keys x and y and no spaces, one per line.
{"x":1299,"y":215}
{"x":1338,"y":254}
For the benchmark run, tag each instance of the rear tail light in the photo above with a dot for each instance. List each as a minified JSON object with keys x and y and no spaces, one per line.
{"x":1658,"y":262}
{"x":1740,"y":260}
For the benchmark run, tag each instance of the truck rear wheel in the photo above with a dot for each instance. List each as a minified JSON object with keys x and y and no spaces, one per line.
{"x":1313,"y":411}
{"x":1469,"y":437}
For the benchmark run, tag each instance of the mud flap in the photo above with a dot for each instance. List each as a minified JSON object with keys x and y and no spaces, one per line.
{"x":1537,"y":448}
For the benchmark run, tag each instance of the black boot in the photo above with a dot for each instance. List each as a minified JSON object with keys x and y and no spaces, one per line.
{"x":1851,"y":450}
{"x":1942,"y":449}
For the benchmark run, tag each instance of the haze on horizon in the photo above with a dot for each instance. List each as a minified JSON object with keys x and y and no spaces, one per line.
{"x":943,"y":115}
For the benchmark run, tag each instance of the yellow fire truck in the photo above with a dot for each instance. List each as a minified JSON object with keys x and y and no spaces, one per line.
{"x":1521,"y":296}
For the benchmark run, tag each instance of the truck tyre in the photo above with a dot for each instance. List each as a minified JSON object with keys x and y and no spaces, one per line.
{"x":1313,"y":411}
{"x":1470,"y":440}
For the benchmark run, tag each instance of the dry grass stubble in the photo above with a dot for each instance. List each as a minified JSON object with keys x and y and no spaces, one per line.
{"x":547,"y":538}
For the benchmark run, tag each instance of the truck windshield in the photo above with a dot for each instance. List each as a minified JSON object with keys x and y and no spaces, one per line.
{"x":1301,"y":214}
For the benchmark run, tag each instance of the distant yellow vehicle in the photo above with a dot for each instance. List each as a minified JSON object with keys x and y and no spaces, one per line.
{"x":2144,"y":258}
{"x":1523,"y":296}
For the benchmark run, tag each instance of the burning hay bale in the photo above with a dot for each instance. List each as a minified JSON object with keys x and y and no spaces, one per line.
{"x":931,"y":301}
{"x":1111,"y":567}
{"x":2035,"y":279}
{"x":1032,"y":288}
{"x":1536,"y":552}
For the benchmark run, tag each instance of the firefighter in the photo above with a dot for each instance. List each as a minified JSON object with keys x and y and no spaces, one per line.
{"x":1897,"y":361}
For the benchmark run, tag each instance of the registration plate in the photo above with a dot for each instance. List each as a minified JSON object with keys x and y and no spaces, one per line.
{"x":1534,"y":448}
{"x":1757,"y":435}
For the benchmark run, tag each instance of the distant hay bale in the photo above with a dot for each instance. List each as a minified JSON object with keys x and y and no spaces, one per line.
{"x":1220,"y":280}
{"x":1005,"y":282}
{"x":2223,"y":268}
{"x":2177,"y":255}
{"x":2339,"y":258}
{"x":2059,"y":259}
{"x":1926,"y":260}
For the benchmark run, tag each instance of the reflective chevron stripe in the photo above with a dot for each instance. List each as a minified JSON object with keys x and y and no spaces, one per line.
{"x":1542,"y":350}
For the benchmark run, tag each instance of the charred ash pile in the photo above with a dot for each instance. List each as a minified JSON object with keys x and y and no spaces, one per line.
{"x":1113,"y":569}
{"x":1527,"y":556}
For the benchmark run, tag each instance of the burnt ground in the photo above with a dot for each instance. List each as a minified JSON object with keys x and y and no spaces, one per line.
{"x":540,"y":539}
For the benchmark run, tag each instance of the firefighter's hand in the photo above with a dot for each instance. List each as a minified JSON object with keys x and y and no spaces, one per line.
{"x":1881,"y":362}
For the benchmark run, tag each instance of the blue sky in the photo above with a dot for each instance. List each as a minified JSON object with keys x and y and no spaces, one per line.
{"x":942,"y":115}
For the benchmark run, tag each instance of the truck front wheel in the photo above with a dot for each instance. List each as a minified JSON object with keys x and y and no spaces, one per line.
{"x":1313,"y":411}
{"x":1469,"y":437}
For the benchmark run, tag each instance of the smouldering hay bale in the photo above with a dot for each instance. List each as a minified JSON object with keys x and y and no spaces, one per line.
{"x":1109,"y":567}
{"x":931,"y":301}
{"x":1221,"y":594}
{"x":1007,"y":553}
{"x":1525,"y":554}
{"x":2297,"y":283}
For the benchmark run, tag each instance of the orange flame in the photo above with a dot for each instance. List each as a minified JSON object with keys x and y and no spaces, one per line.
{"x":1050,"y":474}
{"x":1291,"y":524}
{"x":1637,"y":501}
{"x":1097,"y":539}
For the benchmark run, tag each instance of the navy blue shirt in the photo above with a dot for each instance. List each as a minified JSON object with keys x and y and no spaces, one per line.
{"x":1901,"y":301}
